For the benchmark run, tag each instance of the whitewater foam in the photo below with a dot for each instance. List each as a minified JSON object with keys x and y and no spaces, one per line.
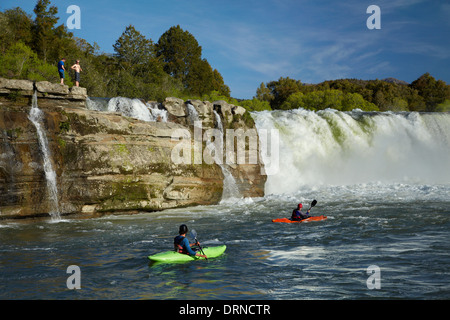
{"x":330,"y":147}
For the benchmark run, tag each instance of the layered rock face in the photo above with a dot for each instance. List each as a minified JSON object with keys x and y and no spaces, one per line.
{"x":106,"y":162}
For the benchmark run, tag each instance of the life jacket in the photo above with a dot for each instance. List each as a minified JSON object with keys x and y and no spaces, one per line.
{"x":294,"y":214}
{"x":177,"y":244}
{"x":298,"y":215}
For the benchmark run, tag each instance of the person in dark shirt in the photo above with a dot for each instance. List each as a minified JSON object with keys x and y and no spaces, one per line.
{"x":298,"y":215}
{"x":61,"y":69}
{"x":182,"y":245}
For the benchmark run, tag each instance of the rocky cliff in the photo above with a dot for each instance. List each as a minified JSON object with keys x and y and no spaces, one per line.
{"x":108,"y":162}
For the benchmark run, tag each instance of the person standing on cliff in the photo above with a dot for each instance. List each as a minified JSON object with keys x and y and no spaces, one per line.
{"x":77,"y":69}
{"x":61,"y":69}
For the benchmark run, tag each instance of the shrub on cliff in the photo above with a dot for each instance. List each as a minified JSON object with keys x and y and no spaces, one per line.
{"x":20,"y":62}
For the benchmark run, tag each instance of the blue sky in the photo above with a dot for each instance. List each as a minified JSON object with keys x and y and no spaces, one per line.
{"x":250,"y":42}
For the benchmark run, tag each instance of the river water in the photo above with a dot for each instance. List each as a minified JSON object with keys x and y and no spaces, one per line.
{"x":382,"y":180}
{"x":402,"y":229}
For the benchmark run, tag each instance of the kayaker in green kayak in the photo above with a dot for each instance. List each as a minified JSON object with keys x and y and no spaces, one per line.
{"x":182,"y":245}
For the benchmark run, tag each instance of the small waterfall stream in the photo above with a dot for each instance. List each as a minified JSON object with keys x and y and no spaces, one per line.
{"x":230,"y":188}
{"x":36,"y":117}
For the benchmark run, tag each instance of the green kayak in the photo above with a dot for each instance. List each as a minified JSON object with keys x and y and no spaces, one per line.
{"x":172,"y":256}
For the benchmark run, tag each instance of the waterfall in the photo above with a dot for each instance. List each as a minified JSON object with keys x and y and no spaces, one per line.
{"x":157,"y":113}
{"x":98,"y":104}
{"x":230,"y":188}
{"x":330,"y":147}
{"x":192,"y":114}
{"x":35,"y":117}
{"x":133,"y":108}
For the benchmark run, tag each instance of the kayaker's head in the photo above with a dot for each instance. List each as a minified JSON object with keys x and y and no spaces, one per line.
{"x":300,"y":206}
{"x":183,"y":229}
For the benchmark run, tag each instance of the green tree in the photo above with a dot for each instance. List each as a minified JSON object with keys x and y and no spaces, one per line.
{"x":263,"y":93}
{"x":255,"y":105}
{"x":15,"y":25}
{"x":351,"y":101}
{"x":219,"y":84}
{"x":282,"y":89}
{"x":433,"y":91}
{"x":179,"y":51}
{"x":444,"y":107}
{"x":17,"y":60}
{"x":200,"y":79}
{"x":182,"y":58}
{"x":134,"y":51}
{"x":43,"y":28}
{"x":138,"y":72}
{"x":294,"y":101}
{"x":329,"y":98}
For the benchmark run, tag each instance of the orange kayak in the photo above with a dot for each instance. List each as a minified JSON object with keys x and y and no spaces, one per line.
{"x":286,"y":220}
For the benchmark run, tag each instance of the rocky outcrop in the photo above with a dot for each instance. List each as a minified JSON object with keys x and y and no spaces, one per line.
{"x":106,"y":162}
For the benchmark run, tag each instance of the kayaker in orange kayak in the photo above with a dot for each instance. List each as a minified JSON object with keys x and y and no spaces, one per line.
{"x":298,"y":215}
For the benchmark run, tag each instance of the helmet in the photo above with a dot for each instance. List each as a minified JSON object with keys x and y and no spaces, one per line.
{"x":183,"y":229}
{"x":300,"y":206}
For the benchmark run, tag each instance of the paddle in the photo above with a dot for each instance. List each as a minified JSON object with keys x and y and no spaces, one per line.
{"x":313,"y":203}
{"x":194,"y":235}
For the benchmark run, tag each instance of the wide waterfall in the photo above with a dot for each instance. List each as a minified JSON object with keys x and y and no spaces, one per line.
{"x":330,"y":147}
{"x":35,"y":117}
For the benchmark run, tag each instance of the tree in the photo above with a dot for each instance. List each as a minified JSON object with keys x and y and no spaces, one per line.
{"x":219,"y":84}
{"x":433,"y":92}
{"x":200,"y":79}
{"x":16,"y":26}
{"x":43,"y":28}
{"x":282,"y":89}
{"x":255,"y":105}
{"x":329,"y":98}
{"x":179,"y":51}
{"x":182,"y":58}
{"x":133,"y":50}
{"x":263,"y":93}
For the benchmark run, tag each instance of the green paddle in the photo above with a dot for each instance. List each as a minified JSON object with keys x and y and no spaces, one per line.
{"x":194,"y":235}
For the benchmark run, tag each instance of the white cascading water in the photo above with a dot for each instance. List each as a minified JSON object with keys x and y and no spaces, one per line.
{"x":35,"y":117}
{"x":230,"y":188}
{"x":336,"y":148}
{"x":133,"y":108}
{"x":192,"y":114}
